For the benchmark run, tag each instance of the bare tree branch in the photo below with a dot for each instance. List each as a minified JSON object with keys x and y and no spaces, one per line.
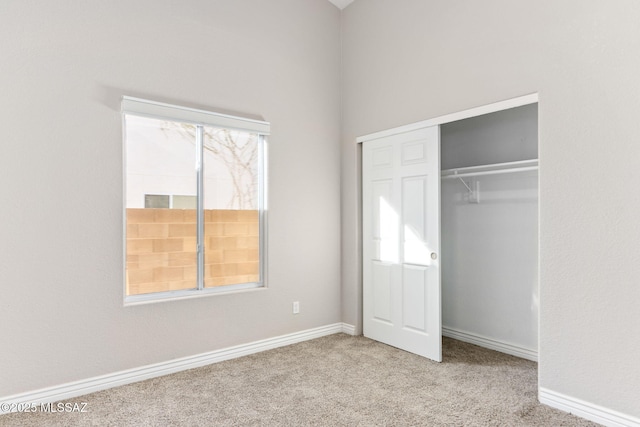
{"x":238,"y":151}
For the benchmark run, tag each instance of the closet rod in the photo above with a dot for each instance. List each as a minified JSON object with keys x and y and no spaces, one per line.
{"x":492,"y":169}
{"x":493,"y":172}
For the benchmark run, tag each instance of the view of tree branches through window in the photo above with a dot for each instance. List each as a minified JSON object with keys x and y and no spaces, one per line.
{"x":161,"y":205}
{"x":237,"y":151}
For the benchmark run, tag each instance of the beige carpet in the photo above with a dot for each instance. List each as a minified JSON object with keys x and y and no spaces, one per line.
{"x":332,"y":381}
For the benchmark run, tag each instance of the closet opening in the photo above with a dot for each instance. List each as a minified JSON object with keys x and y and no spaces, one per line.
{"x":450,"y":231}
{"x":489,"y":230}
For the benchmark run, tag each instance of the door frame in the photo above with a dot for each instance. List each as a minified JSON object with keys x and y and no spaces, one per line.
{"x":454,"y":117}
{"x":494,"y":107}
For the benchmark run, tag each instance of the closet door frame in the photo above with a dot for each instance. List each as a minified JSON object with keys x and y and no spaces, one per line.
{"x":454,"y":117}
{"x":437,"y":121}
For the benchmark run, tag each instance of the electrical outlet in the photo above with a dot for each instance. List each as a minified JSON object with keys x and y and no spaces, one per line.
{"x":296,"y":307}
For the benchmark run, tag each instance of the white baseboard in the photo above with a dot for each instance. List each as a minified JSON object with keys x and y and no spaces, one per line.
{"x":589,"y":411}
{"x":103,"y":382}
{"x":490,"y":343}
{"x":348,"y":329}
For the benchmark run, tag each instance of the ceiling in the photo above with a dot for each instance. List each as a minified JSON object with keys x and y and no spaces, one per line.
{"x":341,"y":4}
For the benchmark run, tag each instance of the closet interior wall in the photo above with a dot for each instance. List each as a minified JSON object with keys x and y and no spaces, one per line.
{"x":490,"y":248}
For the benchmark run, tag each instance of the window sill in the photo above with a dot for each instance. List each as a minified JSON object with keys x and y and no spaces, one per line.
{"x":158,"y":297}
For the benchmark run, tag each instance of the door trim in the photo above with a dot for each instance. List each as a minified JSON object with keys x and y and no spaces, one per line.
{"x":460,"y":115}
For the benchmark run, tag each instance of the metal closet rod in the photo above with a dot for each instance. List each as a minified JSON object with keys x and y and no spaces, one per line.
{"x":492,"y":169}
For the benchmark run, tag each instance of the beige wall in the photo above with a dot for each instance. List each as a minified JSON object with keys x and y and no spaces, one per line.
{"x":65,"y":66}
{"x":414,"y":60}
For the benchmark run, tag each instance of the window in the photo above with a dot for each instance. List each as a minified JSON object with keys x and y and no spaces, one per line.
{"x":194,"y":201}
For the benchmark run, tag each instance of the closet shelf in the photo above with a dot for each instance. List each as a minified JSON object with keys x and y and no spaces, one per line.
{"x":493,"y":169}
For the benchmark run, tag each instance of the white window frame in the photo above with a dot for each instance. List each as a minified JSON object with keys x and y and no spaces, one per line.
{"x":199,"y":118}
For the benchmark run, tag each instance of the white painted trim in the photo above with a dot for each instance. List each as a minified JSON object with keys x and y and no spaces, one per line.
{"x":589,"y":411}
{"x":103,"y":382}
{"x":348,"y":329}
{"x":154,"y":109}
{"x":490,"y":343}
{"x":460,"y":115}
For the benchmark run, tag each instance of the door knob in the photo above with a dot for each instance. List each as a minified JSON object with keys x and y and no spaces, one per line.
{"x":434,"y":255}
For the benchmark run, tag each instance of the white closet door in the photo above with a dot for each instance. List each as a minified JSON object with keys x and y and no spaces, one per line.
{"x":401,"y":241}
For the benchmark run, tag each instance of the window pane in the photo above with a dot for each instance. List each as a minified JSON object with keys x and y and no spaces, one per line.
{"x":231,"y":207}
{"x":156,"y":201}
{"x":160,"y":242}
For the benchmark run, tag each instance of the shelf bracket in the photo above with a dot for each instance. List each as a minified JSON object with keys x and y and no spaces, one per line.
{"x":473,"y":194}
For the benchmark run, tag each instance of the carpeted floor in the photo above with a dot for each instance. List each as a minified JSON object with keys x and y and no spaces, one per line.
{"x":337,"y":380}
